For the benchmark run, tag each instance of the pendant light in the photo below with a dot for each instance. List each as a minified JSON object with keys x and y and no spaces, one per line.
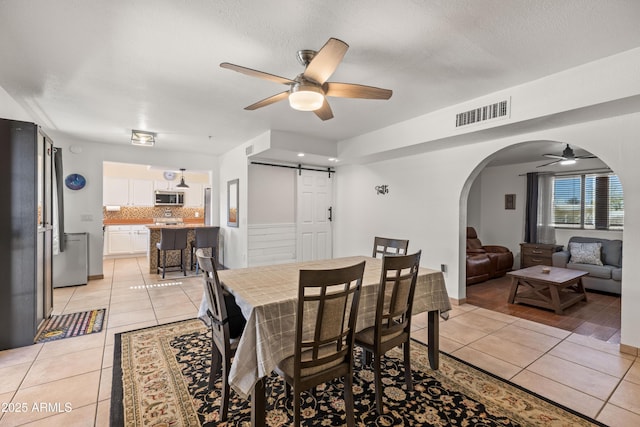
{"x":182,"y":184}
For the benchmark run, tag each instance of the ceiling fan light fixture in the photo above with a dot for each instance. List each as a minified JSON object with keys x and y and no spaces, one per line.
{"x":143,"y":138}
{"x":305,"y":97}
{"x":568,"y":162}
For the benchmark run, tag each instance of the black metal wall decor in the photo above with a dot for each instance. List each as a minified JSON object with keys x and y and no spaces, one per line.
{"x":382,"y":189}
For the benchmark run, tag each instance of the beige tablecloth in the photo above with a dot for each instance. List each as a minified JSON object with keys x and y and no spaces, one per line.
{"x":268,"y":299}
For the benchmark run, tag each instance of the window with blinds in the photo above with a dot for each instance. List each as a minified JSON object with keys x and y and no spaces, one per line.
{"x":590,"y":201}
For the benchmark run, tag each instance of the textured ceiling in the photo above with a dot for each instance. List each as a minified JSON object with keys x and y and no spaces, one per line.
{"x":94,"y":70}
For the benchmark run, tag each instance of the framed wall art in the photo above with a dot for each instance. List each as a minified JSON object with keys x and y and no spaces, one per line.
{"x":509,"y":201}
{"x":232,"y":202}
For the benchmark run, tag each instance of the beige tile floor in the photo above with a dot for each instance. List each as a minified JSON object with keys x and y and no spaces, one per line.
{"x":69,"y":381}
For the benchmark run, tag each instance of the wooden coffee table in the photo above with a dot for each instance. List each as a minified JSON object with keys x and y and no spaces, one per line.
{"x":557,"y":289}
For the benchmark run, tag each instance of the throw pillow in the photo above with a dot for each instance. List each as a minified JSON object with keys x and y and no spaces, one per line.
{"x":585,"y":253}
{"x":612,"y":253}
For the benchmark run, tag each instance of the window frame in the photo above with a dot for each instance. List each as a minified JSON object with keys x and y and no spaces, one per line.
{"x":597,"y":202}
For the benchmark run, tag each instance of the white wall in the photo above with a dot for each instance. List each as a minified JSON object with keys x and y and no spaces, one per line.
{"x":235,"y":165}
{"x":10,"y":109}
{"x":423,"y":205}
{"x":428,"y":195}
{"x":138,"y":171}
{"x":474,"y":204}
{"x":83,"y":208}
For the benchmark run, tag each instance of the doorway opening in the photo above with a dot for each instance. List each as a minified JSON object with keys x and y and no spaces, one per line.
{"x":504,"y":173}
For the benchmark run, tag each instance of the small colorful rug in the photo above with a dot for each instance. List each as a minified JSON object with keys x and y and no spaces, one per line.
{"x":160,"y":377}
{"x":71,"y":325}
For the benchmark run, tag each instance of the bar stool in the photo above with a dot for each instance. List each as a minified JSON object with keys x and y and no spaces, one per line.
{"x":172,"y":239}
{"x":206,"y":237}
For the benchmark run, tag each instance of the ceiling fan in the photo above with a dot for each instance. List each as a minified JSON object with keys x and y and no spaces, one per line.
{"x":308,"y":90}
{"x":568,"y":157}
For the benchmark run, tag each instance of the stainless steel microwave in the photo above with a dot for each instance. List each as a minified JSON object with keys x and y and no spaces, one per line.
{"x":169,"y":198}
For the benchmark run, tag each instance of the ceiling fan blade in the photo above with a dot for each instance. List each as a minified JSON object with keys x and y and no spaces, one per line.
{"x":586,"y":157}
{"x":325,"y":62}
{"x":554,"y":156}
{"x":268,"y":101}
{"x":349,"y":90}
{"x":324,"y":112}
{"x":550,"y":163}
{"x":256,"y":73}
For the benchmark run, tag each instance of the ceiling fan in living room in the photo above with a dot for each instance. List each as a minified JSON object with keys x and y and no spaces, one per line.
{"x":567,"y":157}
{"x":308,"y":90}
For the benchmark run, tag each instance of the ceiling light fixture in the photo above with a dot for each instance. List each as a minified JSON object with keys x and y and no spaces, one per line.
{"x":143,"y":138}
{"x":568,"y":162}
{"x":182,"y":184}
{"x":306,"y":97}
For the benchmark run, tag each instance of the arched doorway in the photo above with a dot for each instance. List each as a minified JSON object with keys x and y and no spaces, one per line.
{"x":503,"y":174}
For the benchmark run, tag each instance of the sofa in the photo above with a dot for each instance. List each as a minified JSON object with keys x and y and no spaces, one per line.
{"x":485,"y":262}
{"x":601,"y":258}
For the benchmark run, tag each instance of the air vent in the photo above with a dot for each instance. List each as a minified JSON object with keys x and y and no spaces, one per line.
{"x":249,"y":150}
{"x":499,"y":110}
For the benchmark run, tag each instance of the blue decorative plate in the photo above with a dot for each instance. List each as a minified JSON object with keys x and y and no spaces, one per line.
{"x":75,"y":181}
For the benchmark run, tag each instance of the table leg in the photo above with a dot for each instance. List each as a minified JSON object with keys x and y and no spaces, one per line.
{"x":433,"y":338}
{"x":258,"y":409}
{"x":514,"y":288}
{"x":581,"y":288}
{"x":555,"y":299}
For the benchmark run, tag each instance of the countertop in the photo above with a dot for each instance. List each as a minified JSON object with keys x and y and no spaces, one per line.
{"x":148,"y":221}
{"x":184,"y":225}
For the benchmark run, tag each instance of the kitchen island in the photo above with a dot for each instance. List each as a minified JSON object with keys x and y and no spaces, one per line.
{"x":173,"y":257}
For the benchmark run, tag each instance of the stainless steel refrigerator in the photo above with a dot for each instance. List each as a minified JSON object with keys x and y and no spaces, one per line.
{"x":207,"y":206}
{"x":26,"y":231}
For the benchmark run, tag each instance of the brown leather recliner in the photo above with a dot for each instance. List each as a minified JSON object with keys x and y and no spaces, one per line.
{"x":485,"y":262}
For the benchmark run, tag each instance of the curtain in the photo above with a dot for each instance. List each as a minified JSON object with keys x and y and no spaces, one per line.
{"x":58,"y":204}
{"x":546,"y":230}
{"x":531,"y":213}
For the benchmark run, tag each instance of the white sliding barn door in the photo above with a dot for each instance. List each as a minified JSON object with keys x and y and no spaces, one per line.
{"x":314,"y":198}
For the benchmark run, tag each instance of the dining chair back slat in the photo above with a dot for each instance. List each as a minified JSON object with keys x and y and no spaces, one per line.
{"x":386,"y":246}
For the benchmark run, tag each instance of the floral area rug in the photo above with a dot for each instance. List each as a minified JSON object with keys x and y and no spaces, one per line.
{"x":161,"y":377}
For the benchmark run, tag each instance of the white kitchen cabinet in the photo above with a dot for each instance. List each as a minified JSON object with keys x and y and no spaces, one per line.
{"x":115,"y":191}
{"x":118,"y":239}
{"x":139,"y":238}
{"x":194,"y":196}
{"x":126,"y":239}
{"x":140,"y":192}
{"x":164,"y":185}
{"x":127,"y":192}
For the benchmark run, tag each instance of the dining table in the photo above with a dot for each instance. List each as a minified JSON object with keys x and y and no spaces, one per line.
{"x":268,"y":298}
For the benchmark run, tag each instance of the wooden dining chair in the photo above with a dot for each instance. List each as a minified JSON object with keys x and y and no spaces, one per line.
{"x":326,"y":318}
{"x":223,"y":347}
{"x":385,"y":246}
{"x":392,"y":326}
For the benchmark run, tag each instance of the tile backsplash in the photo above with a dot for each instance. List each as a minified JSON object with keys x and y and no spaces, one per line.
{"x":130,"y":212}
